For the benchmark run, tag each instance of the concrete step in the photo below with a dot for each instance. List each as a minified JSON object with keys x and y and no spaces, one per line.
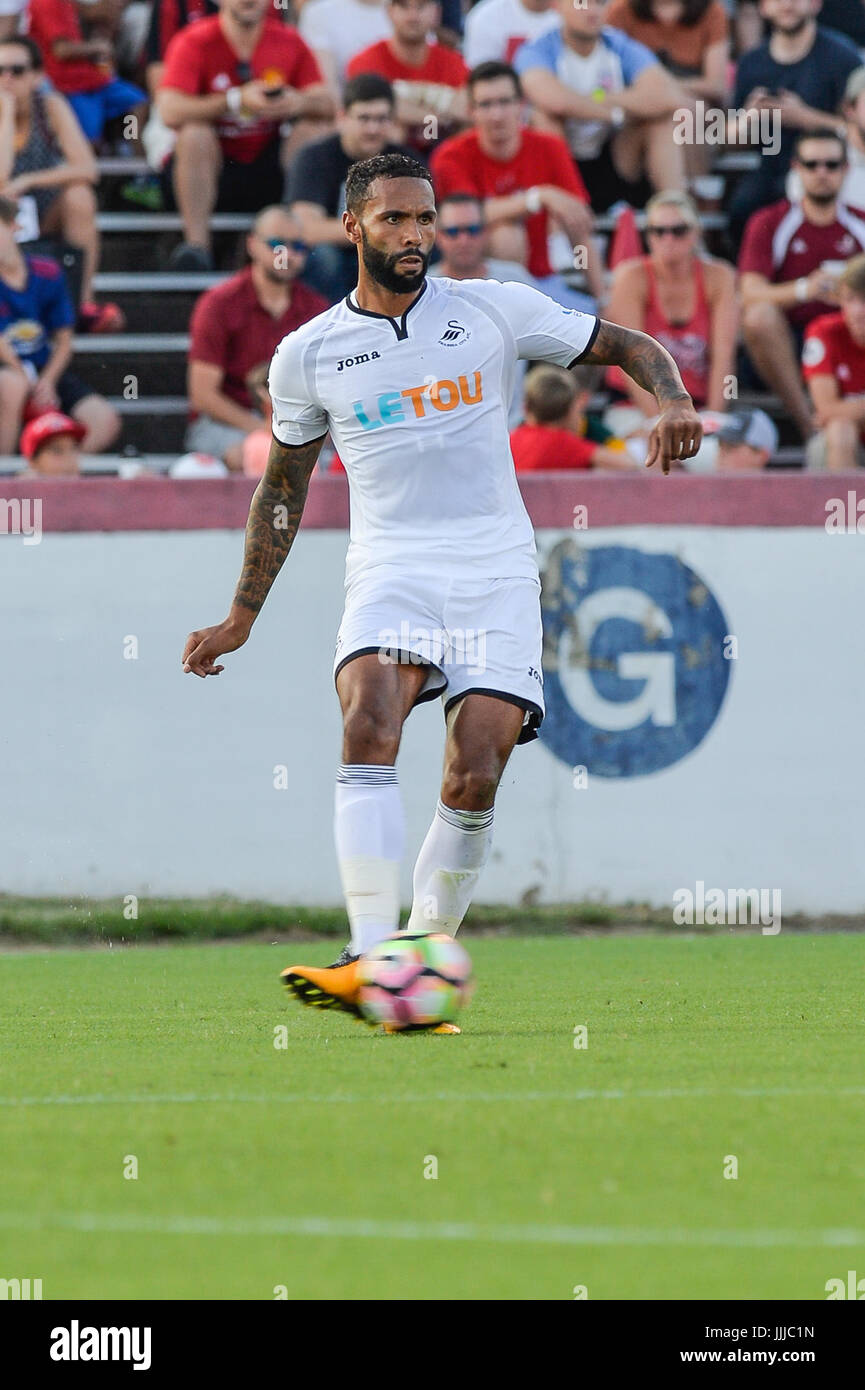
{"x":141,"y":344}
{"x":160,"y":282}
{"x":155,"y":302}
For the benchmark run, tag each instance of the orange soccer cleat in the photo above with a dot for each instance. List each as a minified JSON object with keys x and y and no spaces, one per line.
{"x":326,"y":987}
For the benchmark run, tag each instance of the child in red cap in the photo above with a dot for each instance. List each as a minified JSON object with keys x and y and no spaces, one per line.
{"x":50,"y":443}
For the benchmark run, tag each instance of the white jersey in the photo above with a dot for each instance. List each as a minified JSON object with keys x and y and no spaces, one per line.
{"x":495,"y":29}
{"x":417,"y":408}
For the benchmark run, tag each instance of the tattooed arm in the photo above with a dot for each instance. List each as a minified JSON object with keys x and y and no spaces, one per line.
{"x":678,"y":431}
{"x":274,"y":518}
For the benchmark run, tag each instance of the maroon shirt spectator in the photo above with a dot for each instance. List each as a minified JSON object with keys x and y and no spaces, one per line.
{"x":781,"y":244}
{"x":232,"y":330}
{"x":791,"y":257}
{"x":237,"y":326}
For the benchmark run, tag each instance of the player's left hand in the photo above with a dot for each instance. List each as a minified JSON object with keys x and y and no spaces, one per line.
{"x":677,"y":435}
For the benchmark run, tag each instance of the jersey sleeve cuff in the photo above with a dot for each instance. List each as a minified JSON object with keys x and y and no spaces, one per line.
{"x":589,"y":345}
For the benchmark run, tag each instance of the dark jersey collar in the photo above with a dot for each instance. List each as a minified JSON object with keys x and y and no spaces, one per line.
{"x":399,"y":326}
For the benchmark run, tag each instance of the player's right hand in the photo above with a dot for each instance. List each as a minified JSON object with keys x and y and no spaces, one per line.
{"x":202,"y":648}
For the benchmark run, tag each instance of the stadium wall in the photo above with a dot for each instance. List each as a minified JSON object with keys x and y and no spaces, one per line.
{"x":703,"y":666}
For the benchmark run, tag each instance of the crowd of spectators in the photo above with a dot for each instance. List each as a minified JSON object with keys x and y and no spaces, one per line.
{"x":536,"y":118}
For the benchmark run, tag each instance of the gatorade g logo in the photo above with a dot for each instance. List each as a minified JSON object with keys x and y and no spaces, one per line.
{"x":413,"y":403}
{"x":634,"y":666}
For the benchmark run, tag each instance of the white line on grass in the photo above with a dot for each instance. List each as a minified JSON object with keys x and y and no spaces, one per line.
{"x":334,"y":1228}
{"x":443,"y":1097}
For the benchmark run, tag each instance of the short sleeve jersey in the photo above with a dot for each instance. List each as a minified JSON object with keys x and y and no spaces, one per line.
{"x":495,"y":29}
{"x":782,"y":245}
{"x":51,"y":21}
{"x":199,"y":60}
{"x":460,"y":165}
{"x":417,"y":409}
{"x":30,"y":317}
{"x":829,"y":350}
{"x":818,"y":77}
{"x":614,"y":63}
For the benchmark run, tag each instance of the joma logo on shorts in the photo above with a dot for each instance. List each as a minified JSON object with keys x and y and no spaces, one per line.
{"x":356,"y":361}
{"x":442,"y":395}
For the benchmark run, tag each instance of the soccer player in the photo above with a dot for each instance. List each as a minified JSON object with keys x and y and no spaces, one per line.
{"x":412,"y":376}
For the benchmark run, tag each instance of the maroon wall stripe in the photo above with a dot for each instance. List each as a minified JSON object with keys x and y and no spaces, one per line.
{"x":161,"y":504}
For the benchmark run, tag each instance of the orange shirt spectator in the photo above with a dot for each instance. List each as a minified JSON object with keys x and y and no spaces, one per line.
{"x":687,"y":45}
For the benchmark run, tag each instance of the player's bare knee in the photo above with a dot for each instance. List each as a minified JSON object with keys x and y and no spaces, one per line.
{"x":470,"y":788}
{"x":370,"y":735}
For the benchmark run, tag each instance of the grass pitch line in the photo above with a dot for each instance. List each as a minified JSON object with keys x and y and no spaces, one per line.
{"x":443,"y":1097}
{"x":329,"y":1228}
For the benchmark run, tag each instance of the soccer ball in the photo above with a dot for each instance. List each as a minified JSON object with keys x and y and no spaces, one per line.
{"x":415,"y":981}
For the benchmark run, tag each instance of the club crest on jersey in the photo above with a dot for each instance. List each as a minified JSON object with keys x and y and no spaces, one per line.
{"x":442,"y":395}
{"x":356,"y":361}
{"x":454,"y":335}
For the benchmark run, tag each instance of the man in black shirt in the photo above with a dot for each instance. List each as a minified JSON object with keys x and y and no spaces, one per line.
{"x":799,"y":75}
{"x":315,"y":187}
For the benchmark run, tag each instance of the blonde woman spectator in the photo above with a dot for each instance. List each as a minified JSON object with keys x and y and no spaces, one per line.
{"x":682,"y":297}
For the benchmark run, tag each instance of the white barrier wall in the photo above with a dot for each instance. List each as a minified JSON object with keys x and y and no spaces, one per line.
{"x":122,"y":775}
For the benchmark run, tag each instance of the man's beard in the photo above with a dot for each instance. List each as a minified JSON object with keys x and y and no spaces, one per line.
{"x":277,"y":277}
{"x":822,"y":199}
{"x":382,"y":268}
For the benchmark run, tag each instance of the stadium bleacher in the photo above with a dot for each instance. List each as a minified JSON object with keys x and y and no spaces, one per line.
{"x":157,"y":304}
{"x":142,"y":369}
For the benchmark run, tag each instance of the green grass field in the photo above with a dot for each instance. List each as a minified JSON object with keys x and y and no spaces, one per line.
{"x":303,"y":1166}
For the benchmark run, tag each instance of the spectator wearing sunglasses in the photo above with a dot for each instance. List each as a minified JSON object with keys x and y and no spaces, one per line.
{"x":45,"y":157}
{"x":791,"y":258}
{"x":461,"y":237}
{"x":682,"y":297}
{"x":238,"y":325}
{"x":229,"y":85}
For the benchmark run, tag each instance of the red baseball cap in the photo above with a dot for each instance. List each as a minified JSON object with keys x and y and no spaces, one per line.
{"x":48,"y":426}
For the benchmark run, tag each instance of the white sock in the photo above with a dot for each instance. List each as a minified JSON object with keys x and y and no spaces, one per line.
{"x":448,"y":867}
{"x":369,"y":829}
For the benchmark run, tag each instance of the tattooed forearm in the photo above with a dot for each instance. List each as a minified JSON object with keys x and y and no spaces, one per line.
{"x":644,"y":360}
{"x":274,"y":518}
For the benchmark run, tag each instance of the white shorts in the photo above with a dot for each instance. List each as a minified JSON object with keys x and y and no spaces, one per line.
{"x":477,"y":636}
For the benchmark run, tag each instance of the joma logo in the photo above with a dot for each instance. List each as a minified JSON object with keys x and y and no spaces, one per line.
{"x":356,"y":361}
